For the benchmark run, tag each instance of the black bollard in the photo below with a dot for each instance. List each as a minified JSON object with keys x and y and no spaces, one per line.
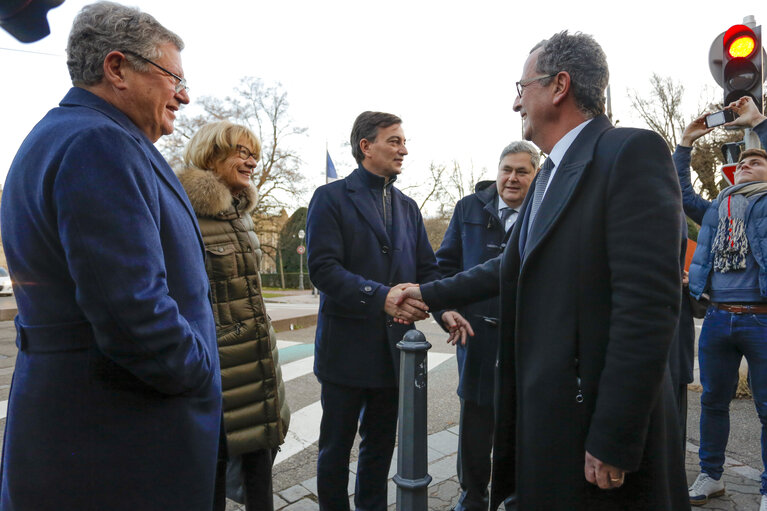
{"x":412,"y":479}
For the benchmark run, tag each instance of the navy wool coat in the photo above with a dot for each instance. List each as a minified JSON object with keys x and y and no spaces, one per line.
{"x":475,"y":234}
{"x":353,"y":263}
{"x":116,"y":399}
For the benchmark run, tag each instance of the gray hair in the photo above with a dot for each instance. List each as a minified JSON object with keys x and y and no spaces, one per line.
{"x":583,"y":59}
{"x":520,"y":146}
{"x":104,"y":27}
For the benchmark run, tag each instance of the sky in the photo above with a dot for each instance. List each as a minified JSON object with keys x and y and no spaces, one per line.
{"x":446,"y":68}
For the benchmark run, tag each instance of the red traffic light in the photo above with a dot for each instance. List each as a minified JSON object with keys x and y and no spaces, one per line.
{"x":740,"y":42}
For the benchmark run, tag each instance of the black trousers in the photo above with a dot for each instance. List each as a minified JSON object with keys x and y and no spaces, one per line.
{"x":475,"y":441}
{"x":342,"y":409}
{"x":256,"y":481}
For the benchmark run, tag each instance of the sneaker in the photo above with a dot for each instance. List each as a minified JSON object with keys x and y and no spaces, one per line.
{"x":763,"y":505}
{"x":706,"y":487}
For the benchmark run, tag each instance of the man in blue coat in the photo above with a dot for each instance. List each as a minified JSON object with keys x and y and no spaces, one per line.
{"x":478,"y":232}
{"x":116,"y":399}
{"x":363,"y":237}
{"x":730,"y":264}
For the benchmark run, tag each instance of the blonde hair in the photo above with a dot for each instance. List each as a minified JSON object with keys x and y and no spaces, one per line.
{"x":215,"y":141}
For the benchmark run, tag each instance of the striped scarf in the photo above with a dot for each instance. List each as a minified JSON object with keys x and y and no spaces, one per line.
{"x":730,"y":245}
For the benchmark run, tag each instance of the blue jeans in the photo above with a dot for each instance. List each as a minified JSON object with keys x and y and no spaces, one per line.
{"x":725,"y":338}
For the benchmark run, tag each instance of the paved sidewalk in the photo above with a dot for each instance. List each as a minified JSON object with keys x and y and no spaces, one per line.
{"x":742,"y":482}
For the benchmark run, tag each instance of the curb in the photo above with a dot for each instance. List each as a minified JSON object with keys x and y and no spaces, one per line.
{"x":286,"y":324}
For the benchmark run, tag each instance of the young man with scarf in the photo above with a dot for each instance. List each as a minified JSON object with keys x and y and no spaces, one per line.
{"x":730,"y":264}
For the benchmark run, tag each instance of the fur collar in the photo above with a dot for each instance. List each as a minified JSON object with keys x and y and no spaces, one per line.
{"x":210,"y":197}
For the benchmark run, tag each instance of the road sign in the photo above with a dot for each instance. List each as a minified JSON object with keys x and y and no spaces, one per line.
{"x":728,"y":172}
{"x":300,"y":249}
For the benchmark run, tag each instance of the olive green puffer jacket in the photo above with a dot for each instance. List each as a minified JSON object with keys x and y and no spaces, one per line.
{"x":256,"y":415}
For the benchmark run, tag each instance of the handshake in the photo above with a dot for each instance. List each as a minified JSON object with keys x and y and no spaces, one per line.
{"x":405,"y":305}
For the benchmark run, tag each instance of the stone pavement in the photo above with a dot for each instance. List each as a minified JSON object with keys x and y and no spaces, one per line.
{"x":741,"y":481}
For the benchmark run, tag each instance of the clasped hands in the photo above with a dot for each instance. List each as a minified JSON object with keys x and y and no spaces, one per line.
{"x":405,"y":305}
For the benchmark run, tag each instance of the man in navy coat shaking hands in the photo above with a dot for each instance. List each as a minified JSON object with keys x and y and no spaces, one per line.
{"x":363,"y":237}
{"x":116,"y":396}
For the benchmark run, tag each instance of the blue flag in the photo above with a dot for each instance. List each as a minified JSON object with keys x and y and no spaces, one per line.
{"x":330,"y":169}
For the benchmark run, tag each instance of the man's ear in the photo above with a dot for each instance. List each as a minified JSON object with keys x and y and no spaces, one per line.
{"x":364,"y":146}
{"x":561,"y":87}
{"x":115,"y":67}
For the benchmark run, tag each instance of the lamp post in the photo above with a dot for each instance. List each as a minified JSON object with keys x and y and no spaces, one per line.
{"x":300,"y":249}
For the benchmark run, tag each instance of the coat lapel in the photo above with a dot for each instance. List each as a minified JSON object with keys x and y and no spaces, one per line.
{"x":82,"y":97}
{"x":568,"y":176}
{"x":399,"y":229}
{"x":360,"y":197}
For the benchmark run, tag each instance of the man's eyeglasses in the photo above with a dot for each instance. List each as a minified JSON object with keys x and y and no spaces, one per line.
{"x":245,"y":153}
{"x":180,"y":82}
{"x":524,"y":83}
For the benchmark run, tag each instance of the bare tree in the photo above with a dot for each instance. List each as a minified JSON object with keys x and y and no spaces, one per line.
{"x":662,"y":110}
{"x":445,"y":186}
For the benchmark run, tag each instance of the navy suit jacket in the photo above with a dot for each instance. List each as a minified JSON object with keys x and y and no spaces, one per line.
{"x":354,"y":263}
{"x":116,"y":396}
{"x":475,"y":235}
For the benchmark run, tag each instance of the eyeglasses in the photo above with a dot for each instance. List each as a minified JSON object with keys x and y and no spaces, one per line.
{"x":524,"y":83}
{"x":245,"y":153}
{"x":181,"y":82}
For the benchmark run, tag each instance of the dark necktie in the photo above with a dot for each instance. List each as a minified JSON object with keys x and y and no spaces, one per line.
{"x":540,"y":187}
{"x":505,"y":215}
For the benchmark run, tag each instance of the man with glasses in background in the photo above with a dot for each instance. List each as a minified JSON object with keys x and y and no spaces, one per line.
{"x":116,"y":396}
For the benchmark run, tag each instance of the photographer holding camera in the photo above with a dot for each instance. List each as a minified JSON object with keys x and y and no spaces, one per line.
{"x":730,"y":264}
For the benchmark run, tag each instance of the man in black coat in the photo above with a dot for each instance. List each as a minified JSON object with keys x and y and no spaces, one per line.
{"x":478,"y":231}
{"x":590,"y":290}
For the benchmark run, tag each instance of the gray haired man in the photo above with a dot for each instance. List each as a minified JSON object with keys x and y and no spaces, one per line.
{"x":116,"y":396}
{"x":478,"y":231}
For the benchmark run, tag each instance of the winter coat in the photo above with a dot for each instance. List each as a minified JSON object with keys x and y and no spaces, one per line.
{"x":353,"y":262}
{"x":256,"y":415}
{"x":706,"y":213}
{"x":475,"y":234}
{"x":116,"y":397}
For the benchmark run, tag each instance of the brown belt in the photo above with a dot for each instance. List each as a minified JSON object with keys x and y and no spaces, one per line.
{"x":742,"y":309}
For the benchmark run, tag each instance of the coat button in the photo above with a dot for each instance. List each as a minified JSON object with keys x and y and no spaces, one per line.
{"x":220,"y":249}
{"x":368,"y":289}
{"x":384,"y":249}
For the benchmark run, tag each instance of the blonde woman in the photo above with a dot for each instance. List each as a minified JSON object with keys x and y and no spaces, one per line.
{"x":220,"y":159}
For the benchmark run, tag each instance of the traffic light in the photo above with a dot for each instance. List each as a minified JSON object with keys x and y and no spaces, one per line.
{"x":742,"y":64}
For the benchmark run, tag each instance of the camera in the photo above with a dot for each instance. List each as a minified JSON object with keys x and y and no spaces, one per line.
{"x":719,"y":118}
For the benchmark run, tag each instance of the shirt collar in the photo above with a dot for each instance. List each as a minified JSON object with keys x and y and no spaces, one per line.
{"x":502,"y":205}
{"x":561,"y":147}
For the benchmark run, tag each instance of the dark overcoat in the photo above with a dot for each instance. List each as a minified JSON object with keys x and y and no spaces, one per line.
{"x":474,"y":235}
{"x":116,"y":395}
{"x":354,"y":263}
{"x":589,"y":310}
